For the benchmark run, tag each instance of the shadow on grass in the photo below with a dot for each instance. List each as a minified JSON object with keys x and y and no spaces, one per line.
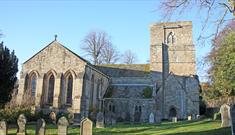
{"x":220,"y":131}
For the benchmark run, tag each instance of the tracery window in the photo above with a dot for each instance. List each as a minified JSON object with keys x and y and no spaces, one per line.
{"x":51,"y":89}
{"x":33,"y":85}
{"x":69,"y":89}
{"x":171,"y":38}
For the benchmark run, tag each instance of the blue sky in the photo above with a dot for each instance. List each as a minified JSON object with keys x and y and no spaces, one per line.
{"x":28,"y":26}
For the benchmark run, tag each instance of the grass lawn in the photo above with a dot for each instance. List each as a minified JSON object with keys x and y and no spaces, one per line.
{"x":203,"y":127}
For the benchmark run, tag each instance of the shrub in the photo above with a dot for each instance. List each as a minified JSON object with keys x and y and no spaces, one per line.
{"x":147,"y":92}
{"x":217,"y":116}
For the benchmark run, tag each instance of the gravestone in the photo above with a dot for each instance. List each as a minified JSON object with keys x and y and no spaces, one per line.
{"x":174,"y":119}
{"x":86,"y":127}
{"x":232,"y":113}
{"x":71,"y":118}
{"x":190,"y":117}
{"x":53,"y":117}
{"x":40,"y":127}
{"x":225,"y":115}
{"x":3,"y":128}
{"x":63,"y":126}
{"x":77,"y":119}
{"x":151,"y":118}
{"x":100,"y":120}
{"x":21,"y":121}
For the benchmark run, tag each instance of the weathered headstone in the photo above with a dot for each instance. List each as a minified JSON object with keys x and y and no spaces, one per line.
{"x":77,"y":119}
{"x":158,"y":117}
{"x":190,"y":117}
{"x":3,"y":128}
{"x":53,"y":117}
{"x":40,"y":127}
{"x":63,"y":126}
{"x":151,"y":118}
{"x":21,"y":121}
{"x":71,"y":118}
{"x":174,"y":119}
{"x":225,"y":115}
{"x":86,"y":127}
{"x":100,"y":120}
{"x":232,"y":114}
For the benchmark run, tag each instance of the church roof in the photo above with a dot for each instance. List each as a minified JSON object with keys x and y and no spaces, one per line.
{"x":125,"y":70}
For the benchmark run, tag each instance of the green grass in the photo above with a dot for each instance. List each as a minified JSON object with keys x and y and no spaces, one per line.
{"x":203,"y":127}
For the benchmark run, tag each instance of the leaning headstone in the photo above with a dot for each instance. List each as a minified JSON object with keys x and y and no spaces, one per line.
{"x":174,"y":119}
{"x":86,"y":127}
{"x":3,"y":128}
{"x":21,"y":121}
{"x":63,"y":126}
{"x":225,"y":115}
{"x":53,"y":117}
{"x":100,"y":120}
{"x":232,"y":114}
{"x":40,"y":127}
{"x":151,"y":118}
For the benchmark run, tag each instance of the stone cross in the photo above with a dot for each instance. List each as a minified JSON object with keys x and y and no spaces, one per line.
{"x":40,"y":127}
{"x":232,"y":113}
{"x":3,"y":128}
{"x":63,"y":126}
{"x":86,"y":127}
{"x":225,"y":115}
{"x":100,"y":120}
{"x":151,"y":118}
{"x":21,"y":121}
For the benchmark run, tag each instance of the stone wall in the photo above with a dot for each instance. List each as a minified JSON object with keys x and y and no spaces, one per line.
{"x":58,"y":61}
{"x":179,"y":55}
{"x":129,"y":110}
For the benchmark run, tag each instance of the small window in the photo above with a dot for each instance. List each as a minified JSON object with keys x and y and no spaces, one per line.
{"x":171,"y":38}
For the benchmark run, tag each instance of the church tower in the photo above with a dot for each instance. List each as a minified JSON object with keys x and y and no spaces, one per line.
{"x":172,"y":48}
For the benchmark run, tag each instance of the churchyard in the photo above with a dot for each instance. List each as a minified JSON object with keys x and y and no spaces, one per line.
{"x":202,"y":127}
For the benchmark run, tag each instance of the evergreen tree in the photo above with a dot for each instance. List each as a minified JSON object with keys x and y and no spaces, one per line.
{"x":8,"y":70}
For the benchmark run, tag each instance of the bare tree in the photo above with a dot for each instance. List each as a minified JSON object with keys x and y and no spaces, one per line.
{"x":93,"y":44}
{"x":109,"y":54}
{"x":216,"y":12}
{"x":129,"y":57}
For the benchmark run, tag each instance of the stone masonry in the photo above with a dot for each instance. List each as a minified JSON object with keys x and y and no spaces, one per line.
{"x":60,"y":80}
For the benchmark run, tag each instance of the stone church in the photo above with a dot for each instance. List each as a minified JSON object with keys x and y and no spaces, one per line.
{"x":59,"y":80}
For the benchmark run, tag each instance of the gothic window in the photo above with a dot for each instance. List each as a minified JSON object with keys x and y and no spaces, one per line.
{"x":33,"y":85}
{"x":69,"y":89}
{"x":171,"y":38}
{"x":113,"y":109}
{"x":110,"y":107}
{"x":51,"y":89}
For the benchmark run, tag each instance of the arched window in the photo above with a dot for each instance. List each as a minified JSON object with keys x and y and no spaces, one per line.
{"x":33,"y":85}
{"x":69,"y":89}
{"x":171,"y":38}
{"x":51,"y":84}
